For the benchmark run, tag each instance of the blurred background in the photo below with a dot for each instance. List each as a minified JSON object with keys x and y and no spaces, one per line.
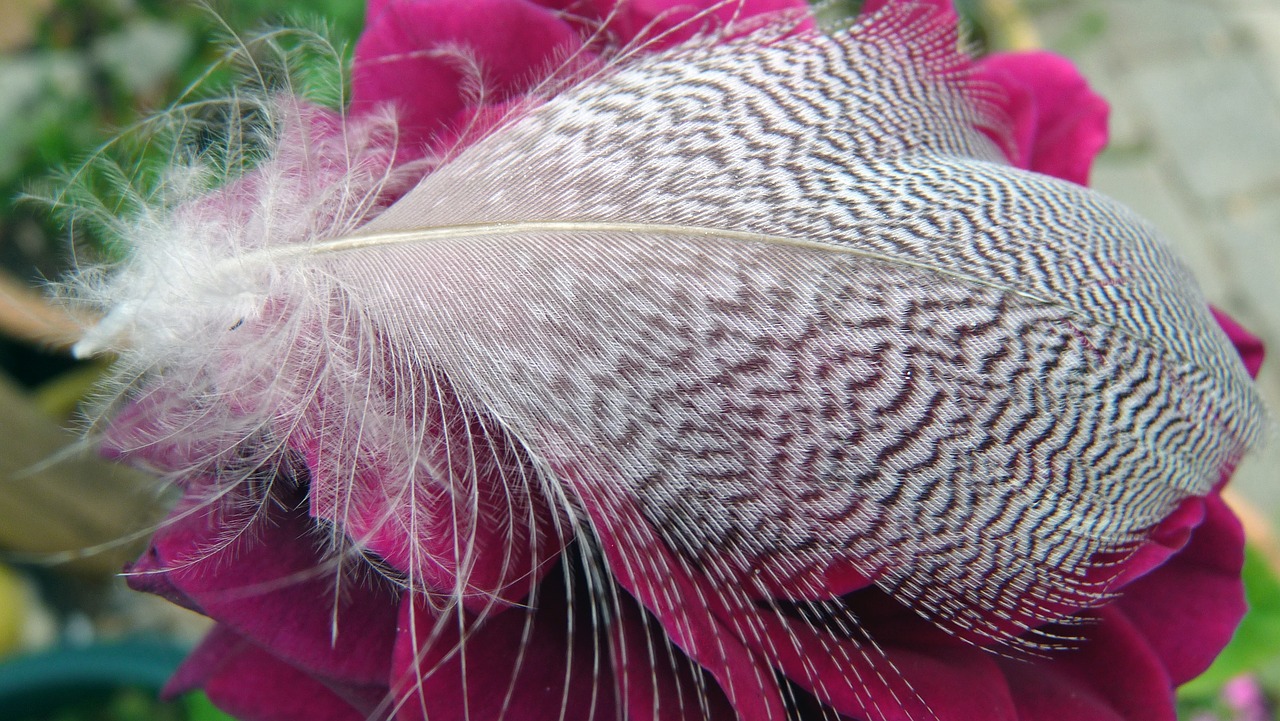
{"x":1195,"y":147}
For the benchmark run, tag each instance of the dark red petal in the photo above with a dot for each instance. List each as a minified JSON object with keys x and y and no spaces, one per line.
{"x":883,"y":661}
{"x":1163,"y":543}
{"x":1189,"y":607}
{"x":1112,"y":676}
{"x":1057,"y":124}
{"x":1248,"y":345}
{"x":466,"y":525}
{"x":944,"y":8}
{"x":150,"y":574}
{"x":409,"y":57}
{"x":655,"y":680}
{"x":782,"y":580}
{"x":664,"y":23}
{"x":537,"y":665}
{"x":493,"y":555}
{"x":269,"y":582}
{"x":253,"y":685}
{"x":141,"y":433}
{"x":894,"y":681}
{"x":916,"y":668}
{"x":688,"y":606}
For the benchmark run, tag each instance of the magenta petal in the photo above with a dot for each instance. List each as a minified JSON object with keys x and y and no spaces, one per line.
{"x":271,"y":585}
{"x":907,"y":670}
{"x":518,"y":665}
{"x":465,"y":525}
{"x":150,"y":574}
{"x":655,"y":680}
{"x":374,"y":8}
{"x":947,"y":679}
{"x":840,"y":577}
{"x":1112,"y":676}
{"x":142,"y":433}
{"x":1058,"y":124}
{"x":1248,"y":345}
{"x":944,"y":7}
{"x":1189,"y":607}
{"x":664,"y":23}
{"x":1164,"y":542}
{"x":252,"y":685}
{"x":665,"y":585}
{"x":413,"y":54}
{"x":957,"y":682}
{"x":495,"y":558}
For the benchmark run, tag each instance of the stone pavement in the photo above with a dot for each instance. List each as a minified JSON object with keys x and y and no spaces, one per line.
{"x":1195,"y":147}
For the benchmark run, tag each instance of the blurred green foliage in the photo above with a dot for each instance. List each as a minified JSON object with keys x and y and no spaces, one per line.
{"x":86,"y":69}
{"x":91,"y":67}
{"x":136,"y":705}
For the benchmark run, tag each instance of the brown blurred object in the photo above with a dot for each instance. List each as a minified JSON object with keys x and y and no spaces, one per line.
{"x":59,"y":504}
{"x":17,"y":19}
{"x":54,"y":506}
{"x":28,"y":316}
{"x":60,"y":507}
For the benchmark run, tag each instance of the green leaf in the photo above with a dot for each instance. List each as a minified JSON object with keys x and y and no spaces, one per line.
{"x":200,"y":708}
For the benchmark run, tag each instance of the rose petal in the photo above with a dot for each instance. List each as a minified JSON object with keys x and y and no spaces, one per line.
{"x":1112,"y":676}
{"x":653,"y":679}
{"x":944,"y":9}
{"x":1164,"y":542}
{"x":1189,"y":607}
{"x":150,"y":574}
{"x":253,"y":685}
{"x":271,"y":584}
{"x":492,"y":559}
{"x":1057,"y":124}
{"x":512,"y":43}
{"x":689,"y":608}
{"x":665,"y":23}
{"x":1248,"y":345}
{"x":877,"y":659}
{"x":534,"y":665}
{"x":466,"y":524}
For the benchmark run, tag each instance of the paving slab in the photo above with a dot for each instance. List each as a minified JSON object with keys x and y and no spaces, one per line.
{"x":1218,"y":117}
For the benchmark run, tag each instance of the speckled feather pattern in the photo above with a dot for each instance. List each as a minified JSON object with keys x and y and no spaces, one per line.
{"x":972,"y":378}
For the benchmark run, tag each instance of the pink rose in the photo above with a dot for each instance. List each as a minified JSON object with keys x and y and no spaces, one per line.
{"x":305,"y":633}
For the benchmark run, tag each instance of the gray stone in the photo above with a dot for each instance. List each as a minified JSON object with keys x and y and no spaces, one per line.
{"x":1129,"y":132}
{"x":1217,"y":119}
{"x":1139,"y":184}
{"x":1145,"y":32}
{"x":1262,"y":27}
{"x":144,"y":54}
{"x":1257,"y":478}
{"x":1249,"y":232}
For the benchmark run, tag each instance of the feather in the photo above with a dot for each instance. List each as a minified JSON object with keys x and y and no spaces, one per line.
{"x":773,"y":309}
